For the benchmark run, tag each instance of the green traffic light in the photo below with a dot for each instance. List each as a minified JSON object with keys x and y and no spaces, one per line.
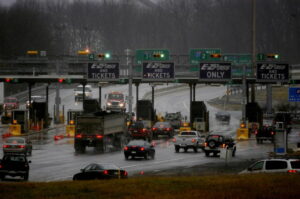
{"x":276,"y":56}
{"x":162,"y":55}
{"x":107,"y":55}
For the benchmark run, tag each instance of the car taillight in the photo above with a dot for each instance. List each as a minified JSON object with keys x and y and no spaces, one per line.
{"x":193,"y":140}
{"x":144,"y":130}
{"x":292,"y":171}
{"x":21,"y":146}
{"x":255,"y":132}
{"x":105,"y":172}
{"x":205,"y":144}
{"x":154,"y":129}
{"x":142,"y":149}
{"x":99,"y":136}
{"x":6,"y":146}
{"x":223,"y":145}
{"x":78,"y":136}
{"x":125,"y":148}
{"x":272,"y":133}
{"x":125,"y":173}
{"x":174,"y":140}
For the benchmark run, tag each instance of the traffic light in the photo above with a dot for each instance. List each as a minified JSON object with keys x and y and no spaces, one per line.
{"x":272,"y":56}
{"x":243,"y":125}
{"x":104,"y":55}
{"x":11,"y":80}
{"x":8,"y":80}
{"x":215,"y":55}
{"x":269,"y":56}
{"x":61,"y":80}
{"x":32,"y":52}
{"x":158,"y":55}
{"x":83,"y":52}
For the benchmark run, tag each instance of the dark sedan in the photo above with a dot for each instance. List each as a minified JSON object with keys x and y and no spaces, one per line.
{"x":162,"y":128}
{"x":96,"y":171}
{"x":139,"y":148}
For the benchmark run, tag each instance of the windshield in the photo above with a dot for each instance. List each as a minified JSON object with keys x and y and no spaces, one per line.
{"x":115,"y":96}
{"x":81,"y":89}
{"x":10,"y":100}
{"x":15,"y":141}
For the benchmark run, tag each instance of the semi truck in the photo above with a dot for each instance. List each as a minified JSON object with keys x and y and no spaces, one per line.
{"x":145,"y":112}
{"x":254,"y":115}
{"x":99,"y":129}
{"x":199,"y":116}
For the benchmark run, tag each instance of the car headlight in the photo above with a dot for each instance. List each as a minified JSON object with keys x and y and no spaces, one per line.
{"x":76,"y":94}
{"x":108,"y":104}
{"x":121,"y":104}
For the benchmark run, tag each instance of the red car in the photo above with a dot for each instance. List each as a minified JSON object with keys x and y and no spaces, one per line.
{"x":10,"y":103}
{"x":140,"y":129}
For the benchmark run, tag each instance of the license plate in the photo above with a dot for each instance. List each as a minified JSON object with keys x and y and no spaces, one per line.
{"x":133,"y":152}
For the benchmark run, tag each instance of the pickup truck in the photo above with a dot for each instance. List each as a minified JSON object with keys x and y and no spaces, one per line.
{"x":189,"y":139}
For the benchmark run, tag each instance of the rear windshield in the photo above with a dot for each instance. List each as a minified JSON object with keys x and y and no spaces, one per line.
{"x":15,"y":158}
{"x":15,"y":141}
{"x":188,"y":133}
{"x":136,"y":142}
{"x":295,"y":164}
{"x":275,"y":164}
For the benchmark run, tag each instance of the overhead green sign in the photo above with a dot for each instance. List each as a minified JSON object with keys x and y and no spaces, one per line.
{"x":238,"y":62}
{"x":205,"y":54}
{"x":152,"y":55}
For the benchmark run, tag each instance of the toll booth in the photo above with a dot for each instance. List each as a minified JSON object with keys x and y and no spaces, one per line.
{"x":19,"y":122}
{"x":39,"y":115}
{"x":71,"y":119}
{"x":280,"y":144}
{"x":242,"y":133}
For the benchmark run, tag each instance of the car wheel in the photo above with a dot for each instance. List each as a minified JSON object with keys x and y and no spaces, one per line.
{"x":132,"y":157}
{"x":185,"y":150}
{"x":206,"y":154}
{"x":146,"y":156}
{"x":126,"y":157}
{"x":177,"y":148}
{"x":195,"y":149}
{"x":233,"y":152}
{"x":26,"y":176}
{"x":215,"y":154}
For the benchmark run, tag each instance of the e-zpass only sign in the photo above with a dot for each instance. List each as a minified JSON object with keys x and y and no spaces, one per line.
{"x":215,"y":71}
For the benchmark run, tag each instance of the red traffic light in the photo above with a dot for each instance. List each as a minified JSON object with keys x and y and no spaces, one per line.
{"x":7,"y":80}
{"x":61,"y":80}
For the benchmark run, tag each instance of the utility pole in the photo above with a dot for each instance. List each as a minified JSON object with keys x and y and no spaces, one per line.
{"x":129,"y":66}
{"x":253,"y":47}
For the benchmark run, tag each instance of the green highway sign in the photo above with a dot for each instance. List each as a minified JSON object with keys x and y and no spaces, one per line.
{"x":151,"y":55}
{"x":238,"y":61}
{"x":205,"y":54}
{"x":91,"y":56}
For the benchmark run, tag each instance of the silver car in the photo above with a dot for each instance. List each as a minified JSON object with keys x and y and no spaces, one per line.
{"x":17,"y":145}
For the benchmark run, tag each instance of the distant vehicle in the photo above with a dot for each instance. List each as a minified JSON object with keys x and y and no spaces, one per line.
{"x":10,"y":103}
{"x":189,"y":140}
{"x":162,"y":128}
{"x":78,"y":92}
{"x":14,"y":165}
{"x":17,"y":145}
{"x":274,"y":166}
{"x":100,"y":171}
{"x":140,"y":129}
{"x":214,"y":143}
{"x":139,"y":148}
{"x":35,"y":98}
{"x":174,"y":119}
{"x":115,"y":102}
{"x":223,"y":117}
{"x":265,"y":132}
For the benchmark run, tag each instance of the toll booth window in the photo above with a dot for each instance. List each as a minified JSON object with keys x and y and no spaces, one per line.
{"x":270,"y":165}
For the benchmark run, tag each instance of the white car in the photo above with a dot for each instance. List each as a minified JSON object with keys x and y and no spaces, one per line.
{"x":78,"y":92}
{"x":274,"y":166}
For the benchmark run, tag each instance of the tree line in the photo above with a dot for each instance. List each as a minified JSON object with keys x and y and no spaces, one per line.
{"x":63,"y":27}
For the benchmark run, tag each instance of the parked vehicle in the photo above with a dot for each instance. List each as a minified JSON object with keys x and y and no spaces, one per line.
{"x":139,"y":148}
{"x":14,"y":165}
{"x":140,"y":129}
{"x":17,"y":145}
{"x":10,"y":103}
{"x":101,"y":130}
{"x":99,"y":171}
{"x":274,"y":166}
{"x":189,"y":140}
{"x":162,"y":128}
{"x":215,"y":142}
{"x":115,"y":101}
{"x":265,"y":132}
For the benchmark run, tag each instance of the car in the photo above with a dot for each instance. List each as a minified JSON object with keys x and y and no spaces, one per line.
{"x":78,"y":92}
{"x":35,"y":98}
{"x":189,"y":140}
{"x":223,"y":117}
{"x":265,"y":132}
{"x":97,"y":171}
{"x":140,"y":129}
{"x":14,"y":165}
{"x":215,"y":142}
{"x":162,"y":128}
{"x":10,"y":103}
{"x":276,"y":165}
{"x":139,"y":148}
{"x":17,"y":145}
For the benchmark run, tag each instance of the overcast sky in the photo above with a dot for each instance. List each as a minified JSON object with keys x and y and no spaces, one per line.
{"x":7,"y":2}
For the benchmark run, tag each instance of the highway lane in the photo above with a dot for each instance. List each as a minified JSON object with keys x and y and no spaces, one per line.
{"x":56,"y":160}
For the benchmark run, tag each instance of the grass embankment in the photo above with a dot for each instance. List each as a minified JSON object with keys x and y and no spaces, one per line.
{"x":208,"y":187}
{"x":279,"y":96}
